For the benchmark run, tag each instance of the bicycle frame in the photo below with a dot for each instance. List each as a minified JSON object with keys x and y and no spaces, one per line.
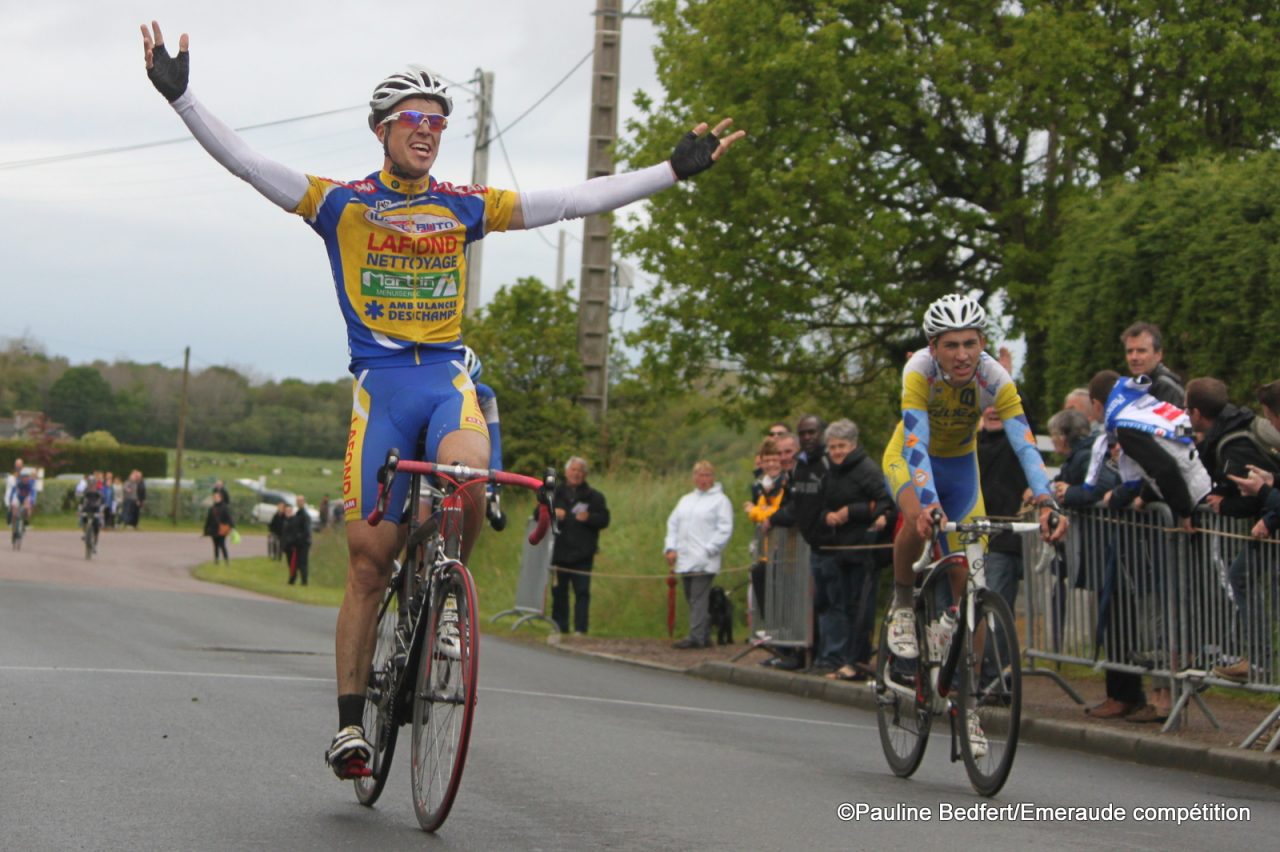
{"x":425,"y":660}
{"x":974,"y":559}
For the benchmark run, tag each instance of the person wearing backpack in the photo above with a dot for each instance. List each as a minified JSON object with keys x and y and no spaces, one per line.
{"x":1235,"y":439}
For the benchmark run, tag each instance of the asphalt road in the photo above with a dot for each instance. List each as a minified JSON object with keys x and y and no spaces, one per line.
{"x":176,"y":718}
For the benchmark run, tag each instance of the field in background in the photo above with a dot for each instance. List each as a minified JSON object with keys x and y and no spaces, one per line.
{"x":628,"y":591}
{"x":312,"y":478}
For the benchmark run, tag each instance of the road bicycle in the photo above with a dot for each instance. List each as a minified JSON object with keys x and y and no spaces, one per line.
{"x":426,"y":658}
{"x":18,"y":527}
{"x":92,"y":525}
{"x":969,"y":672}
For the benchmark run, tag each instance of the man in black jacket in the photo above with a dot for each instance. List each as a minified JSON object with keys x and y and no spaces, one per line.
{"x":275,"y":532}
{"x":800,"y":507}
{"x":1227,"y":449}
{"x":1144,"y":353}
{"x":581,"y":512}
{"x":1004,"y":492}
{"x":298,"y":536}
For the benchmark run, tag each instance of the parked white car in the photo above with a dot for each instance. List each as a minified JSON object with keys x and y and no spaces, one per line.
{"x":269,"y":499}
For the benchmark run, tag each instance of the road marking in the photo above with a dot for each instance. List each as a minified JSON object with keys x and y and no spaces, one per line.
{"x":224,"y":675}
{"x":530,"y":693}
{"x":679,"y":708}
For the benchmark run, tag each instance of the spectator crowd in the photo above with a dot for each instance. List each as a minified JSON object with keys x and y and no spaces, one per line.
{"x":1123,"y":442}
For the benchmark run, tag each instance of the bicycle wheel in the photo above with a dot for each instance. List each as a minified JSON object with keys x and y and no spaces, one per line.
{"x":445,"y":699}
{"x":88,"y":541}
{"x":991,"y":691}
{"x":380,"y":718}
{"x":17,"y":531}
{"x":904,"y":721}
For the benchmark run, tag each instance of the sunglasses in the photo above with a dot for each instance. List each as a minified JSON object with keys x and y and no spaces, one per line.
{"x":412,"y":119}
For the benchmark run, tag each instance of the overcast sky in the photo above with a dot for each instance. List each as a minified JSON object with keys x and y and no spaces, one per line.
{"x":136,"y":255}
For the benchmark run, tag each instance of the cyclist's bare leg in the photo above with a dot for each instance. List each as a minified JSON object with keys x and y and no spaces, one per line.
{"x":906,"y":547}
{"x":370,"y":552}
{"x":471,"y":449}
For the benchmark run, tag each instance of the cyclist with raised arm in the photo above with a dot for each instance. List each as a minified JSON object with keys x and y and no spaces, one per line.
{"x":395,"y":241}
{"x":931,"y":461}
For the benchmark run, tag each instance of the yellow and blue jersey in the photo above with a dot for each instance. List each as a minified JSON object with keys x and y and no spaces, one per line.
{"x":940,"y":422}
{"x":396,"y":250}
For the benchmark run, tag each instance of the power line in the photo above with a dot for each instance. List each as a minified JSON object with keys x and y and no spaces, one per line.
{"x":101,"y":152}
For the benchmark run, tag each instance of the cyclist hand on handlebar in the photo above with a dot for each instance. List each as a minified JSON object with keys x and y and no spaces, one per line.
{"x":493,"y":509}
{"x":924,"y":520}
{"x":1053,"y":524}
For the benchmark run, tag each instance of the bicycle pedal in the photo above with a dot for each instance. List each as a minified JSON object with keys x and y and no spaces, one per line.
{"x":356,"y":769}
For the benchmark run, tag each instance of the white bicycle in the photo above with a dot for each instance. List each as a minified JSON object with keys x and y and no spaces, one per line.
{"x":975,"y":681}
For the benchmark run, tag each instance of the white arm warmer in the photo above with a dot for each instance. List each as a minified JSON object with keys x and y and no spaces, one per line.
{"x":544,"y":206}
{"x":281,"y":185}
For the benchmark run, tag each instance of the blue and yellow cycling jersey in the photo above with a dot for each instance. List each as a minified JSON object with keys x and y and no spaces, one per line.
{"x":940,"y":421}
{"x":396,"y":250}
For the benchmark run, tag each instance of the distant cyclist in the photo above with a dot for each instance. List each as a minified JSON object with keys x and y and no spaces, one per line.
{"x":92,"y":502}
{"x":931,"y":461}
{"x":395,"y":242}
{"x":22,"y":495}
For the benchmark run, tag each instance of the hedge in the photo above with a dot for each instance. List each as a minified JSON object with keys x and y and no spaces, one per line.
{"x":73,"y":458}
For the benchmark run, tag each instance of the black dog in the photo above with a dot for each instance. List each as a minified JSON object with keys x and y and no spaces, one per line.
{"x":720,"y":610}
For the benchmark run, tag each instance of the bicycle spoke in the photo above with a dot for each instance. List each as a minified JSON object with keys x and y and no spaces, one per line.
{"x":380,"y":705}
{"x":991,"y":695}
{"x":444,"y":701}
{"x":903,"y":720}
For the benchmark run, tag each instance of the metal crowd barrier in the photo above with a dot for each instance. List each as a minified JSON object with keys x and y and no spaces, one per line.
{"x":1129,"y":593}
{"x":787,"y":616}
{"x":531,"y":588}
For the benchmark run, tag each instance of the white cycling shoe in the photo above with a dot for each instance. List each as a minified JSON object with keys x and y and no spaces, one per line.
{"x":448,"y":642}
{"x":977,"y":738}
{"x":349,"y":753}
{"x":902,"y":634}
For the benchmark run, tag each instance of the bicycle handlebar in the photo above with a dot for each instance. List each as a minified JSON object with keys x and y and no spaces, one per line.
{"x":544,"y":488}
{"x":977,"y":526}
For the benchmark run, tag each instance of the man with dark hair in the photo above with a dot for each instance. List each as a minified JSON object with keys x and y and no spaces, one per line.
{"x":1228,"y":448}
{"x":1156,"y":462}
{"x":1213,"y":415}
{"x":1144,"y":352}
{"x":802,"y":504}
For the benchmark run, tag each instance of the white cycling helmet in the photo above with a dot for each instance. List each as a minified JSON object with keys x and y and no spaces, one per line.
{"x":471,"y":363}
{"x":413,"y":81}
{"x":953,"y":312}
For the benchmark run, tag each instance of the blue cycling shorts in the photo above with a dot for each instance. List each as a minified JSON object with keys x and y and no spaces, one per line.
{"x":956,"y":480}
{"x":394,"y":407}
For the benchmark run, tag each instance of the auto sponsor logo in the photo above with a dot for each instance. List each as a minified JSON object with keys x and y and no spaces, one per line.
{"x":411,"y":223}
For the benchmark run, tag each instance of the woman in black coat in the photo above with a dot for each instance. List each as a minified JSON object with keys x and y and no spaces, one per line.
{"x":217,"y":525}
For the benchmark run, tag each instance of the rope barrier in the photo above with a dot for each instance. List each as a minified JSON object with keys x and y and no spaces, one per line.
{"x":593,"y":573}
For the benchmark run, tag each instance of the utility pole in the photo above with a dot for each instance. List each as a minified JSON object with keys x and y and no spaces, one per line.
{"x":182,"y":432}
{"x":479,"y":177}
{"x":597,"y":239}
{"x":560,"y":260}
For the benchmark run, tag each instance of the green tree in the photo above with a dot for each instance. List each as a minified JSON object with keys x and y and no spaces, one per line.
{"x":81,"y":400}
{"x":100,"y":438}
{"x":1192,"y":250}
{"x":527,"y":339}
{"x":899,"y":150}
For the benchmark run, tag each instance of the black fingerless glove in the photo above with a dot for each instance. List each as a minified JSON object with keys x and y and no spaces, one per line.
{"x":693,"y":154}
{"x":169,"y":74}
